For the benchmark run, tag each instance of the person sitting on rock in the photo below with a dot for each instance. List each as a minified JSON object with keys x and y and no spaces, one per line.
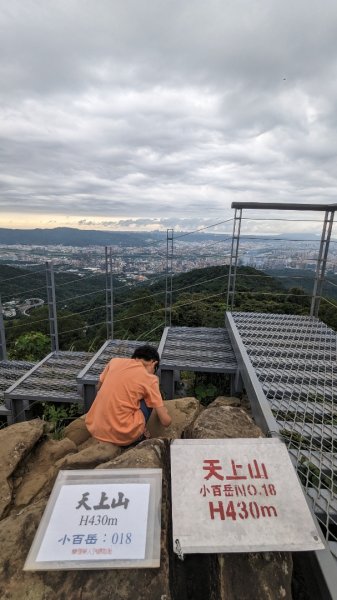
{"x":128,"y":390}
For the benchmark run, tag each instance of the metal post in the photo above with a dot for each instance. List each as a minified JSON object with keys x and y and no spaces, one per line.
{"x":169,"y":277}
{"x":51,"y":299}
{"x":106,"y":293}
{"x":3,"y":349}
{"x":234,"y":259}
{"x":321,"y":262}
{"x":167,"y":383}
{"x":89,"y":395}
{"x":109,"y":294}
{"x":111,"y":298}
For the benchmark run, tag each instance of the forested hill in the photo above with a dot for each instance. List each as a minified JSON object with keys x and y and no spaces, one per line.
{"x":69,"y":236}
{"x":198,"y":299}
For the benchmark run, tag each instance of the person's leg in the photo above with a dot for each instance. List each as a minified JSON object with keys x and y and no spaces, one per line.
{"x":147,"y":413}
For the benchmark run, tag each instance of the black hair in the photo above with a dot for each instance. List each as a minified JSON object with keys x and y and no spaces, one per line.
{"x":147,"y":352}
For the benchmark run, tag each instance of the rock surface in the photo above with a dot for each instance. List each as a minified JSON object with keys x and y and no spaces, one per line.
{"x":182,"y":411}
{"x":15,"y":443}
{"x":226,"y":401}
{"x":222,"y":421}
{"x":17,"y":532}
{"x":34,"y":473}
{"x":89,"y":456}
{"x":30,"y":461}
{"x":16,"y":535}
{"x":266,"y":576}
{"x":35,"y":477}
{"x":77,"y":431}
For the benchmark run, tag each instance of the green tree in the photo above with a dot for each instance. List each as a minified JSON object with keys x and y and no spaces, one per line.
{"x":31,"y":346}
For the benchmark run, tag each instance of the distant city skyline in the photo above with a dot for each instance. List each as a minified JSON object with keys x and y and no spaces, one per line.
{"x":131,"y":115}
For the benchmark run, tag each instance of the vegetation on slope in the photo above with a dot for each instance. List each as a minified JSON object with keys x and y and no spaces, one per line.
{"x":198,"y":299}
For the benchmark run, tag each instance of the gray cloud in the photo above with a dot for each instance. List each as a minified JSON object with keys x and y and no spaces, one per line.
{"x":116,"y":111}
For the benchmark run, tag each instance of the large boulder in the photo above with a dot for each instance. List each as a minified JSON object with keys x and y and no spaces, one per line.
{"x":16,"y":536}
{"x":221,"y":421}
{"x":33,"y":475}
{"x":226,"y":401}
{"x":17,"y":532}
{"x":147,"y":454}
{"x":183,"y":413}
{"x":77,"y":431}
{"x":89,"y":456}
{"x":15,"y":443}
{"x":30,"y":463}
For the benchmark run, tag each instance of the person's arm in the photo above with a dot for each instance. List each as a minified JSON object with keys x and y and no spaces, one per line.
{"x":102,"y":377}
{"x":163,"y":416}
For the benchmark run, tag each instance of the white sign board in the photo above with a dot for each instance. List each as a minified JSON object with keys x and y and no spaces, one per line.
{"x":238,"y":495}
{"x":100,"y":518}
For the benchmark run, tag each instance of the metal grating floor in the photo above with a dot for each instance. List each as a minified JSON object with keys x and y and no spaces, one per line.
{"x":198,"y":349}
{"x":51,"y":380}
{"x":294,"y":359}
{"x":11,"y":371}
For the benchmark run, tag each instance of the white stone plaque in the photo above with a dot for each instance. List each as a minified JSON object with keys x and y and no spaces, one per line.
{"x":100,"y":518}
{"x":238,"y":495}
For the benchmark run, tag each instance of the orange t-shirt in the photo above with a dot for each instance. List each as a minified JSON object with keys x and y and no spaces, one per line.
{"x":115,"y":414}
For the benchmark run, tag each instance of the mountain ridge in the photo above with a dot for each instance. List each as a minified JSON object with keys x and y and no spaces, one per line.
{"x":71,"y":236}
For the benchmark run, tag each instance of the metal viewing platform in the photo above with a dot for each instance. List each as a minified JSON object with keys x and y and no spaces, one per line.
{"x":201,"y":349}
{"x":53,"y":379}
{"x":288,"y":367}
{"x":10,"y":371}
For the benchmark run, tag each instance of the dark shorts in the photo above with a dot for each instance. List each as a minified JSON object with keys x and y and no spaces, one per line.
{"x":145,"y":410}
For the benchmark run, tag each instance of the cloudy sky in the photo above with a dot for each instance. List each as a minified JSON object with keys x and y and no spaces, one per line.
{"x":148,"y":114}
